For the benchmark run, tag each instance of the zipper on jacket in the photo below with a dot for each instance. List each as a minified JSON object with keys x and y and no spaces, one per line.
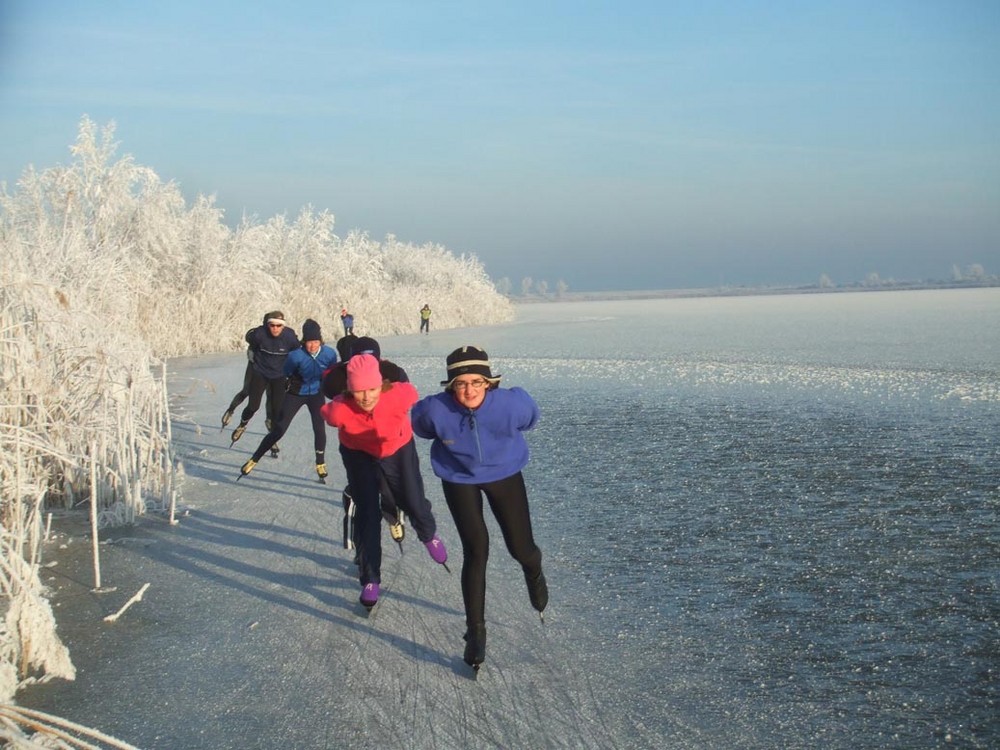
{"x":471,"y":414}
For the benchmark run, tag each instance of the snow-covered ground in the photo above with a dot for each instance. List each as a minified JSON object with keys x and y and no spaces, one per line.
{"x":250,"y":634}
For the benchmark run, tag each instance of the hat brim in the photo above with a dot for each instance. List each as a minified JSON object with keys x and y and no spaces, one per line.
{"x":492,"y":380}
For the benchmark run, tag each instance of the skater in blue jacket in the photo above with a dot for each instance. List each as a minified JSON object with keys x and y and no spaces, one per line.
{"x":479,"y":450}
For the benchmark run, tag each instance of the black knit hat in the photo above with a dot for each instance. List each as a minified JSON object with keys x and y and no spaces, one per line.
{"x":366,"y":345}
{"x":466,"y":360}
{"x":310,"y":331}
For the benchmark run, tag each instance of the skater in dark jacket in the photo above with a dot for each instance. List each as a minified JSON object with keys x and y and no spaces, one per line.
{"x":345,"y":344}
{"x":335,"y":380}
{"x":479,"y":450}
{"x":304,"y":368}
{"x":269,"y":345}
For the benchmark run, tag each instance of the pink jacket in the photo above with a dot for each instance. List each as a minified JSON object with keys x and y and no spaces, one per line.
{"x":379,"y":433}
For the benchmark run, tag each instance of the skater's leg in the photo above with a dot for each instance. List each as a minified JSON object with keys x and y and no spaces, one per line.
{"x":362,"y":476}
{"x":275,"y":400}
{"x":508,"y":500}
{"x":402,"y":473}
{"x":241,"y":396}
{"x":290,"y":406}
{"x":315,"y":403}
{"x":466,"y":506}
{"x":257,"y":386}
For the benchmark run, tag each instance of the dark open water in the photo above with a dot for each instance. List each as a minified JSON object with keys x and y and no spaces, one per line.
{"x":776,"y":515}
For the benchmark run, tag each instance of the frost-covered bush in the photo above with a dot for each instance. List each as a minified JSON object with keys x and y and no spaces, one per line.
{"x":83,"y":414}
{"x":106,"y":269}
{"x":112,"y":234}
{"x":384,"y":285}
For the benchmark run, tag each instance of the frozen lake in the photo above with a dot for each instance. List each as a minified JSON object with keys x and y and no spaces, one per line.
{"x":767,"y":522}
{"x":778,"y":513}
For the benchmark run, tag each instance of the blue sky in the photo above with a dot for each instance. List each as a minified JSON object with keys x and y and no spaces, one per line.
{"x":613,"y":145}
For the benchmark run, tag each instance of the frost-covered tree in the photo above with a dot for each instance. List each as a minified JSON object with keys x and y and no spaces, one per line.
{"x":118,"y":237}
{"x":542,"y":287}
{"x":106,"y":269}
{"x":504,"y":286}
{"x":825,"y":282}
{"x":561,"y":288}
{"x":975,"y":271}
{"x":526,"y":283}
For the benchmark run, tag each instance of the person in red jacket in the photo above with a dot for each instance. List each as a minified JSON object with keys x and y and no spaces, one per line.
{"x":376,"y":442}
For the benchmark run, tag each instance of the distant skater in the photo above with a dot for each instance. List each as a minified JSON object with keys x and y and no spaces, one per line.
{"x":479,"y":450}
{"x":270,"y":345}
{"x":348,"y":322}
{"x":304,"y":368}
{"x":376,"y":441}
{"x":425,"y":319}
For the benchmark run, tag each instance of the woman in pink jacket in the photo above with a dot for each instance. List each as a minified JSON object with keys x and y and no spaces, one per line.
{"x":376,"y":441}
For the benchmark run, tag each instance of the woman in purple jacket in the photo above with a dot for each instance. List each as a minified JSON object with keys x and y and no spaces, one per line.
{"x":479,"y":450}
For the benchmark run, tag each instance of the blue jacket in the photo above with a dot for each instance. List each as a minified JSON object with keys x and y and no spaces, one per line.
{"x":270,"y":352}
{"x":306,"y":370}
{"x":475,"y":446}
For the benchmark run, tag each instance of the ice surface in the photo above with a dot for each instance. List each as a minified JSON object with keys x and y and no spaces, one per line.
{"x":250,"y":634}
{"x":752,"y":540}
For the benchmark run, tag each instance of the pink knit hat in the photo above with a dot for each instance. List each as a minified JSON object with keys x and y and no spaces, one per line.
{"x":363,"y":373}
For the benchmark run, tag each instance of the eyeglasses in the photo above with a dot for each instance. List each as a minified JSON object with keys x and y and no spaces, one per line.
{"x":276,"y":325}
{"x":475,"y":385}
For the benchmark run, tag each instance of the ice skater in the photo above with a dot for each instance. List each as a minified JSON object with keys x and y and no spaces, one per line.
{"x":376,"y":442}
{"x":269,"y":345}
{"x":479,"y":450}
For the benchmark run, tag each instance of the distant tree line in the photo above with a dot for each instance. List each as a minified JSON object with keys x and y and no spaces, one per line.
{"x":533,"y":289}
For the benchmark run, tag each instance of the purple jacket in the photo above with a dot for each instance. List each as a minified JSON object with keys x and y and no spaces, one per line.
{"x":475,"y":446}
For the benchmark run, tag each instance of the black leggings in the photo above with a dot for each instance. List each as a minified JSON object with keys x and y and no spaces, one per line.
{"x":508,"y":500}
{"x":240,"y":397}
{"x":289,"y":408}
{"x":275,"y":388}
{"x":400,"y":472}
